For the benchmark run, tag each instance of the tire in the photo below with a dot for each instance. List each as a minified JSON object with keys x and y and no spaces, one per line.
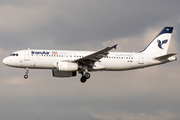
{"x":25,"y":76}
{"x":87,"y":75}
{"x":83,"y":79}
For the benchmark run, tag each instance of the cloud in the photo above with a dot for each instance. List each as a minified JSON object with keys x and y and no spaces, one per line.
{"x":80,"y":22}
{"x":15,"y":19}
{"x":150,"y":93}
{"x":161,"y":115}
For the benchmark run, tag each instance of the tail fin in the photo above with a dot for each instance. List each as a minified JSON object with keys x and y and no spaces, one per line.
{"x":160,"y":43}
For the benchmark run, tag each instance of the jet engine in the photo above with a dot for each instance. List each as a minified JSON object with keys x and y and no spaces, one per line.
{"x":66,"y":66}
{"x":57,"y":73}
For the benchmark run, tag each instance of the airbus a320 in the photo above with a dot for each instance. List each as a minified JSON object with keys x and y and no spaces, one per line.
{"x":67,"y":63}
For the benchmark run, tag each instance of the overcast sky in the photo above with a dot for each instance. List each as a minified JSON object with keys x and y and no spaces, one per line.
{"x":144,"y":94}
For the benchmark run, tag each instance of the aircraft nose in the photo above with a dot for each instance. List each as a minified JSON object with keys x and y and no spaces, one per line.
{"x":5,"y":61}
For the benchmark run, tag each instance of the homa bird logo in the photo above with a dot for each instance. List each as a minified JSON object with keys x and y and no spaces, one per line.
{"x":160,"y":43}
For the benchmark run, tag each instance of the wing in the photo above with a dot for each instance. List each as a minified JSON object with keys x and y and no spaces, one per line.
{"x":96,"y":56}
{"x":164,"y":41}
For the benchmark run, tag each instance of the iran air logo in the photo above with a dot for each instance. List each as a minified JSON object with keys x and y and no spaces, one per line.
{"x":160,"y":43}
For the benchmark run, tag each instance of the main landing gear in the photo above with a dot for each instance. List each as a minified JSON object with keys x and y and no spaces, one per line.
{"x":85,"y":77}
{"x":26,"y":75}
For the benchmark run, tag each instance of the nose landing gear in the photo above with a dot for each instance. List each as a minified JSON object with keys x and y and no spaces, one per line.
{"x":26,"y":75}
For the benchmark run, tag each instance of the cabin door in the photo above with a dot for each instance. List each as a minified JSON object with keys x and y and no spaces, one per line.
{"x":27,"y":55}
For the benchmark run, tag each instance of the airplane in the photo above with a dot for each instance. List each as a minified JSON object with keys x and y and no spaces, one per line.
{"x":66,"y":63}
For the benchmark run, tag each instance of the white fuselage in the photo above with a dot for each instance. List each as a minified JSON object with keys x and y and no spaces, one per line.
{"x":115,"y":61}
{"x":66,"y":63}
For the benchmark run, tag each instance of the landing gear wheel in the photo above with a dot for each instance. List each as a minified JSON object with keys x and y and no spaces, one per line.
{"x":87,"y":75}
{"x":25,"y":76}
{"x":83,"y":79}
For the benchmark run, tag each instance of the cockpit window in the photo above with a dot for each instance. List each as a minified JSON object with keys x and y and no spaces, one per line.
{"x":14,"y":54}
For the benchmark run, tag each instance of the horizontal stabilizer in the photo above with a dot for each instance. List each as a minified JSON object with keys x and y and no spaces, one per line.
{"x":165,"y":56}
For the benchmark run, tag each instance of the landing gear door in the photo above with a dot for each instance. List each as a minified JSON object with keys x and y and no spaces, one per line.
{"x":141,"y":59}
{"x":27,"y":55}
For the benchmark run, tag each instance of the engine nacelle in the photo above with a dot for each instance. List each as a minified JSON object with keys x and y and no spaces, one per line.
{"x":66,"y":66}
{"x":57,"y":73}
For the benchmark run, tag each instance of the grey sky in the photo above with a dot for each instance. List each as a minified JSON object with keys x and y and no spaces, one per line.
{"x":145,"y":94}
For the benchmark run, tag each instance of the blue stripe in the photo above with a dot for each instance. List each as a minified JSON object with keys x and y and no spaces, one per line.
{"x":166,"y":30}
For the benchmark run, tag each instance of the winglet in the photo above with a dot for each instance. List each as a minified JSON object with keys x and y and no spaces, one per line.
{"x":115,"y":46}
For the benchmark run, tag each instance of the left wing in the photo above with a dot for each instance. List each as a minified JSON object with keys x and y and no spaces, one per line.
{"x":96,"y":56}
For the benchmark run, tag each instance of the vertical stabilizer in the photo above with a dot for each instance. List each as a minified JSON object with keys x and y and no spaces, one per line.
{"x":160,"y":43}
